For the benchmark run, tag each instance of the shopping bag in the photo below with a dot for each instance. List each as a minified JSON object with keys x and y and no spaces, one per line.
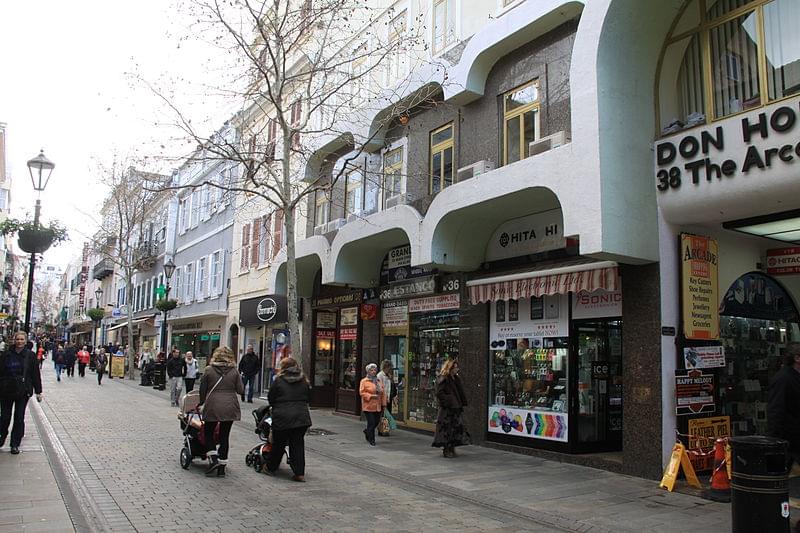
{"x":389,"y":418}
{"x":383,"y":427}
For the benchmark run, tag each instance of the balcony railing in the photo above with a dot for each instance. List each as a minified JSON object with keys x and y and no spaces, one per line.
{"x":103,"y":269}
{"x":144,"y":255}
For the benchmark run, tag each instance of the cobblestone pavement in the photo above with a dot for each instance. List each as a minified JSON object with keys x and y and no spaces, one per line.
{"x":123,"y":441}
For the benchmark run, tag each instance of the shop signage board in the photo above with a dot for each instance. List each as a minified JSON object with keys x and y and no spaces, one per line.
{"x":704,"y":431}
{"x":409,"y":287}
{"x":117,"y":366}
{"x":326,"y":334}
{"x":440,"y":302}
{"x":529,"y":423}
{"x":699,"y":287}
{"x":694,"y":392}
{"x":397,"y":266}
{"x":704,"y":357}
{"x":527,"y":235}
{"x":369,"y":311}
{"x":339,"y":299}
{"x":187,"y":326}
{"x":348,"y":334}
{"x":326,"y":320}
{"x":528,"y":318}
{"x":349,"y":316}
{"x":394,"y":317}
{"x":596,"y":304}
{"x":783,"y":261}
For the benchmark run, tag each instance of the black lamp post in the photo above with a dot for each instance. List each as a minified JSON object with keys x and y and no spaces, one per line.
{"x":97,"y":295}
{"x":169,"y":269}
{"x":40,"y":169}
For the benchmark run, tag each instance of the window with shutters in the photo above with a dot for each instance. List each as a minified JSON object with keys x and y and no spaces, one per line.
{"x":188,"y":280}
{"x":206,"y":208}
{"x":176,"y":290}
{"x":272,"y":137}
{"x":244,"y":258}
{"x":216,"y":273}
{"x":277,"y":232}
{"x":262,"y":243}
{"x":296,"y":116}
{"x":255,"y":241}
{"x":195,"y":218}
{"x":149,"y":295}
{"x":183,"y":217}
{"x":202,"y":278}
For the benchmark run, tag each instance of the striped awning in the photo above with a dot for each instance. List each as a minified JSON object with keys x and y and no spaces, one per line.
{"x":575,"y":278}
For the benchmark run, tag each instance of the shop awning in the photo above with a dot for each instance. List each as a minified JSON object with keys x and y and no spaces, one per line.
{"x":75,"y":333}
{"x":112,"y":328}
{"x":568,"y":277}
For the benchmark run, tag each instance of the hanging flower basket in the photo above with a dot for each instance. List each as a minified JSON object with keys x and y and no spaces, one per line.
{"x":166,"y":305}
{"x":95,"y":314}
{"x":35,"y":241}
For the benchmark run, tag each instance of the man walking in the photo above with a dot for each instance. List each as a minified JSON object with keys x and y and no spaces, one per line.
{"x":783,"y":402}
{"x":176,"y":370}
{"x":249,"y":365}
{"x":83,"y":360}
{"x":70,"y":354}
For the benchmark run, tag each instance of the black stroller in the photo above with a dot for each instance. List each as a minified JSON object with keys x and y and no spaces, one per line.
{"x":191,"y":421}
{"x":257,"y":456}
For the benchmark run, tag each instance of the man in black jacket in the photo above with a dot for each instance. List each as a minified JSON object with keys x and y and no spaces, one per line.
{"x":249,"y":365}
{"x":70,"y":354}
{"x":19,"y":373}
{"x":783,"y":407}
{"x":176,"y":370}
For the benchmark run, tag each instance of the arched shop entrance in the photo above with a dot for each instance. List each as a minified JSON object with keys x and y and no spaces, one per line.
{"x":757,"y":319}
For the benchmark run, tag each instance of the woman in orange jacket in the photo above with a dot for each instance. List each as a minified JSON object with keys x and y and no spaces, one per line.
{"x":373,"y":400}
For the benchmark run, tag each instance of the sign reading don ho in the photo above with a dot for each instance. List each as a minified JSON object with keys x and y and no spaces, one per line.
{"x":269,"y":309}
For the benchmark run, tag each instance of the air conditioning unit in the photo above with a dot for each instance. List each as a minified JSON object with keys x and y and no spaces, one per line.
{"x":475,"y":169}
{"x":334,"y":225}
{"x":319,"y":230}
{"x":398,"y":199}
{"x":547,"y":143}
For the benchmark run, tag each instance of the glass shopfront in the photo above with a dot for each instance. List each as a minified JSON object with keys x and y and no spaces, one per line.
{"x":201,"y":343}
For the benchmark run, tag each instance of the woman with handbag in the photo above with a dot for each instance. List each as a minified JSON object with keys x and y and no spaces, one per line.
{"x":373,"y":401}
{"x":450,"y":430}
{"x":289,"y":396}
{"x":19,"y":380}
{"x":220,"y":388}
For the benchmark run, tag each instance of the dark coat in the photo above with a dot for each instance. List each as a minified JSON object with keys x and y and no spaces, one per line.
{"x":221,"y":404}
{"x":70,"y":354}
{"x":450,"y":393}
{"x":176,"y":367}
{"x":249,"y":364}
{"x":289,"y":396}
{"x":783,"y":407}
{"x":31,"y":374}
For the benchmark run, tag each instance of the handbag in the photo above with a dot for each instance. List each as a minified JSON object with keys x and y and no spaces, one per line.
{"x":383,"y":427}
{"x":200,"y":407}
{"x":390,"y":419}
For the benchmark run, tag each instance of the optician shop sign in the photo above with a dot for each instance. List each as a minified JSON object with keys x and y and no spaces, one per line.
{"x":527,"y":235}
{"x":708,"y":174}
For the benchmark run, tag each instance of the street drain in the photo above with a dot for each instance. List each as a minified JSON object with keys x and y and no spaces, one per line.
{"x":319,"y":431}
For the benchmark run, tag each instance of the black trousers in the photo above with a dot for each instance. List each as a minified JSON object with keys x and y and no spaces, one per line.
{"x":71,"y":370}
{"x":224,"y":437}
{"x":82,"y":370}
{"x":18,"y":429}
{"x":373,"y":419}
{"x":189,"y":384}
{"x":297,"y":453}
{"x":100,"y":376}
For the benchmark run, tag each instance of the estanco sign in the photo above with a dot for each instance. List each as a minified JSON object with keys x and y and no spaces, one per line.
{"x":734,"y":168}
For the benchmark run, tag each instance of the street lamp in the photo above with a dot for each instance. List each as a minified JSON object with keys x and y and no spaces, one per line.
{"x":169,"y":269}
{"x":97,"y":295}
{"x":40,"y":169}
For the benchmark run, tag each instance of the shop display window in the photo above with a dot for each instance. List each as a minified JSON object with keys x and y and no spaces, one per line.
{"x":531,"y":375}
{"x":348,"y":377}
{"x":323,"y":361}
{"x":434,"y":338}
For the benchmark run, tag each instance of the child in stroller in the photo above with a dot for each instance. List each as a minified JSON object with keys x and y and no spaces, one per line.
{"x":257,"y":456}
{"x":191,"y":421}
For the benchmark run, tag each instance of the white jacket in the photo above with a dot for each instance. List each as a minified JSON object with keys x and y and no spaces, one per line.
{"x":386,"y":383}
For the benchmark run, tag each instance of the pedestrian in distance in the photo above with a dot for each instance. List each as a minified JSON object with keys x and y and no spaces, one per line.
{"x":373,"y":401}
{"x":783,"y":402}
{"x":39,"y":354}
{"x":450,"y":430}
{"x":249,"y":367}
{"x":191,"y":372}
{"x":220,"y":388}
{"x":59,"y":358}
{"x":289,"y":396}
{"x":176,"y":371}
{"x":100,"y":361}
{"x":83,"y":360}
{"x":70,"y":355}
{"x":19,"y":380}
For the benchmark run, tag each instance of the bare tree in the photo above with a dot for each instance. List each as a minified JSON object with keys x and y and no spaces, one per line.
{"x":310,"y":78}
{"x":119,"y":238}
{"x":45,"y":298}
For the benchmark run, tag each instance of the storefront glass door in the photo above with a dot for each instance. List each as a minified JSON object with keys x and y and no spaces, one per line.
{"x":599,"y":346}
{"x":394,"y":350}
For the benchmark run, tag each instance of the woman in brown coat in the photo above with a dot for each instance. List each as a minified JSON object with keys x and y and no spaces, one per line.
{"x":220,"y":388}
{"x":450,"y":430}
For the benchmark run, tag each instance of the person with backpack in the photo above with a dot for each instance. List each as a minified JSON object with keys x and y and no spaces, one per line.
{"x":59,"y":359}
{"x":19,"y":380}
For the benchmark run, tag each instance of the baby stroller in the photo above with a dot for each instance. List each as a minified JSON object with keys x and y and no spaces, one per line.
{"x":191,"y":421}
{"x":257,"y":456}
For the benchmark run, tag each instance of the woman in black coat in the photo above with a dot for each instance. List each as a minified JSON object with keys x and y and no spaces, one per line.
{"x":450,"y":430}
{"x":289,"y":396}
{"x":19,"y":380}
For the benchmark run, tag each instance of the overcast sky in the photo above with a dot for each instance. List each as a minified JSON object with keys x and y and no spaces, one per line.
{"x":66,"y":86}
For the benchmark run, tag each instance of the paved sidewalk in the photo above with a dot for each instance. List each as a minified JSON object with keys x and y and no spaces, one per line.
{"x":30,"y":499}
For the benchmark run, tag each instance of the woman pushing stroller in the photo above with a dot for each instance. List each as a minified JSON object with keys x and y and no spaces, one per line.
{"x":220,"y":388}
{"x":289,"y":396}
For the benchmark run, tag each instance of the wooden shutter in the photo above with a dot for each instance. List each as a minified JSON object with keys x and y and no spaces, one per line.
{"x":245,"y":255}
{"x":256,"y":241}
{"x":277,"y":232}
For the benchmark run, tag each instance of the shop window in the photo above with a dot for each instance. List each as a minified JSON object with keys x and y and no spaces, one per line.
{"x":520,"y":121}
{"x":392,"y":174}
{"x":737,"y":56}
{"x":354,"y":192}
{"x":442,"y":150}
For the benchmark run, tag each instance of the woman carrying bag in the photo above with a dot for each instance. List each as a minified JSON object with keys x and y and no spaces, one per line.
{"x":373,"y":400}
{"x":220,"y":388}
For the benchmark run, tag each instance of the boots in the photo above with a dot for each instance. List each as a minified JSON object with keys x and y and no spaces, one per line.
{"x":213,"y":464}
{"x":221,"y":468}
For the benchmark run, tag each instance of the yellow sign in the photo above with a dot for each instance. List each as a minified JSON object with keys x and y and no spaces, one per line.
{"x":679,"y":460}
{"x":699,"y":287}
{"x":3,"y":316}
{"x":703,"y":432}
{"x":117,"y":366}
